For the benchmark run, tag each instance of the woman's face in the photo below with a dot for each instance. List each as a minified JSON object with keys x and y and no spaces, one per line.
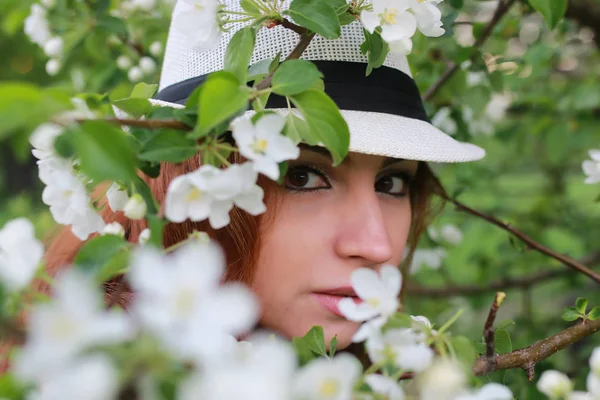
{"x":329,"y":222}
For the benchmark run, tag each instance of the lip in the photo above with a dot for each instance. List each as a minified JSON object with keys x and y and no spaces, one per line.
{"x":330,"y":298}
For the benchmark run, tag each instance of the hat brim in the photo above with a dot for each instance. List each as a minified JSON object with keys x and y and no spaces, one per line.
{"x":396,"y":136}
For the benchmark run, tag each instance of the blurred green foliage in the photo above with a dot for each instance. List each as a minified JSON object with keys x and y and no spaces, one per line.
{"x":537,"y":95}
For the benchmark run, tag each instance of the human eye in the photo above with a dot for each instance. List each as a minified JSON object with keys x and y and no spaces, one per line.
{"x":394,"y":184}
{"x":304,"y":178}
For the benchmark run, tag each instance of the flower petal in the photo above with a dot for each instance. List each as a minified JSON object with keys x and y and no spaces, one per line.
{"x":369,"y":20}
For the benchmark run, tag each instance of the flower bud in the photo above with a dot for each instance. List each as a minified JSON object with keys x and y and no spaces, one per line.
{"x":53,"y":67}
{"x":147,"y":65}
{"x":114,"y":228}
{"x":554,"y":384}
{"x":135,"y":74}
{"x":144,"y":236}
{"x":156,"y":49}
{"x":54,"y":47}
{"x":135,"y":207}
{"x":123,"y":62}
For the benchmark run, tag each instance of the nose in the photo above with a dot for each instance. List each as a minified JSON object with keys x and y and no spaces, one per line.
{"x":362,"y":232}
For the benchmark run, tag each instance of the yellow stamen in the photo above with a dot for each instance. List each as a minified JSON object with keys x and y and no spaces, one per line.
{"x":373,"y":301}
{"x":193,"y":195}
{"x":389,"y":16}
{"x":260,"y":145}
{"x":328,"y":387}
{"x":184,"y":301}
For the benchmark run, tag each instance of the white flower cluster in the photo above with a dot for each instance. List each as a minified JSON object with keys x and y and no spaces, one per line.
{"x":557,"y":385}
{"x":591,"y":168}
{"x":399,"y":20}
{"x":146,"y":65}
{"x":65,"y":192}
{"x":210,"y":192}
{"x":37,"y":28}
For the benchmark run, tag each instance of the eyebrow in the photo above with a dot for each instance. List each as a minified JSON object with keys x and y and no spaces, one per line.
{"x":324,"y":152}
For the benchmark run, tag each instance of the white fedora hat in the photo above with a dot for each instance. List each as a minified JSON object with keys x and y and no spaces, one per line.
{"x":384,"y":111}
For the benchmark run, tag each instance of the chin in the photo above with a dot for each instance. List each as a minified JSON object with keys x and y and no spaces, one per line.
{"x":343,"y":330}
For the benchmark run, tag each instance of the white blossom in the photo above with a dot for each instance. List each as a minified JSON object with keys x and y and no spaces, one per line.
{"x":72,"y":322}
{"x":448,"y":233}
{"x":146,"y":5}
{"x":263,"y":143}
{"x":261,"y":368}
{"x":593,"y":378}
{"x":179,"y":299}
{"x":431,"y":258}
{"x":147,"y":65}
{"x":200,"y":23}
{"x":42,"y":139}
{"x":156,"y":49}
{"x":443,"y":121}
{"x":135,"y":208}
{"x":592,"y":167}
{"x":578,"y":395}
{"x":36,"y":25}
{"x":476,"y":78}
{"x":385,"y":386}
{"x":20,"y":253}
{"x":135,"y":74}
{"x":327,"y":379}
{"x":93,"y":377}
{"x":444,"y":380}
{"x":53,"y":67}
{"x":117,"y":197}
{"x":422,"y":326}
{"x":429,"y":17}
{"x":124,"y":62}
{"x":490,"y":391}
{"x":144,"y":236}
{"x":402,"y":347}
{"x":210,"y":192}
{"x":114,"y":228}
{"x":555,"y":384}
{"x":398,"y":25}
{"x":379,"y":294}
{"x":54,"y":47}
{"x":69,"y":203}
{"x":48,"y":3}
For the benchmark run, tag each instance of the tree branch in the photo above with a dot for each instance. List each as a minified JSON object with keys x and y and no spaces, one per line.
{"x":488,"y":330}
{"x":568,"y":261}
{"x":523,"y":282}
{"x":143,"y":123}
{"x":528,"y":357}
{"x":503,"y":7}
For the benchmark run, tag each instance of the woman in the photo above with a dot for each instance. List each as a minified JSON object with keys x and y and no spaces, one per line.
{"x":322,"y":222}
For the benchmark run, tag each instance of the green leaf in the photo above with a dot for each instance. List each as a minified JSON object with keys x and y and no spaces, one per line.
{"x":10,"y":387}
{"x":315,"y":338}
{"x":142,"y":188}
{"x":105,"y":152}
{"x":464,"y":349}
{"x":239,"y":52}
{"x":457,"y":4}
{"x":112,"y":24}
{"x":297,"y":129}
{"x":168,"y":145}
{"x":136,"y":107}
{"x":581,"y":305}
{"x":104,"y":257}
{"x":295,"y":76}
{"x":332,"y":346}
{"x":594,"y":314}
{"x":222,"y":97}
{"x":376,"y":50}
{"x":552,"y":10}
{"x":317,"y":16}
{"x":156,"y":226}
{"x":302,"y":350}
{"x":398,"y":320}
{"x":325,"y":122}
{"x":570,"y":314}
{"x":24,"y":106}
{"x":143,"y":91}
{"x":250,"y":7}
{"x":502,"y":341}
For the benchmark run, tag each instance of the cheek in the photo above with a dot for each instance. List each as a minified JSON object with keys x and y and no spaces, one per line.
{"x":398,"y":220}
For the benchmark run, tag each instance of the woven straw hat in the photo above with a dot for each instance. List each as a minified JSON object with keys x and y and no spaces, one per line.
{"x":384,"y":111}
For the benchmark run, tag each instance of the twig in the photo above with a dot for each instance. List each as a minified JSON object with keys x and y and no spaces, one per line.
{"x":143,"y":123}
{"x":568,"y":261}
{"x":489,"y":331}
{"x":503,"y":7}
{"x":523,"y":282}
{"x":298,"y":29}
{"x":528,"y":357}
